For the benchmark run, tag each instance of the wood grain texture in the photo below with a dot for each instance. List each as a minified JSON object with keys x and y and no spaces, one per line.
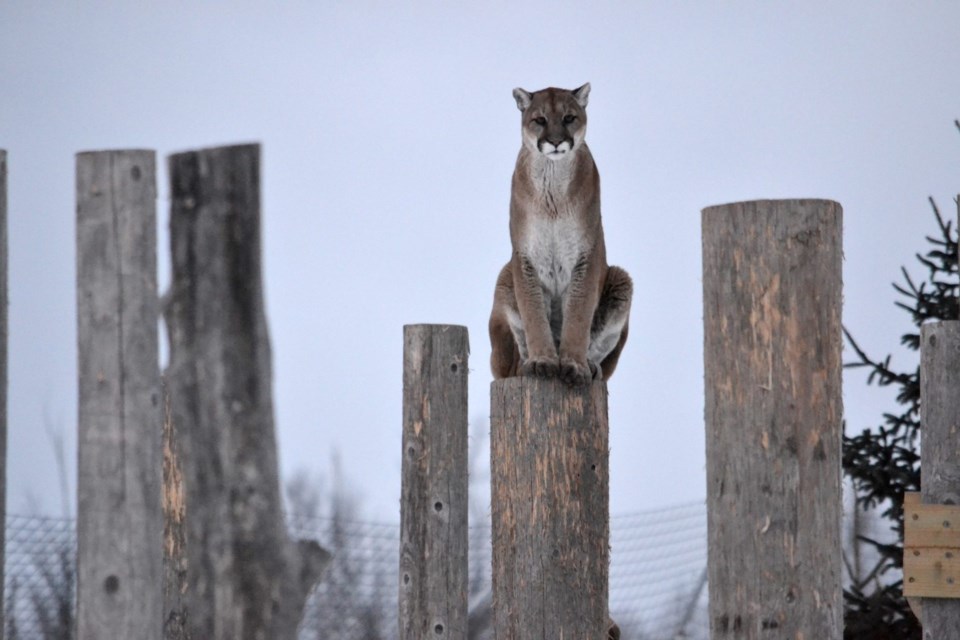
{"x":4,"y":279}
{"x":930,"y":525}
{"x":433,"y":502}
{"x":119,"y":521}
{"x":773,"y":410}
{"x":246,"y":578}
{"x":550,"y":506}
{"x":940,"y":449}
{"x":175,"y":575}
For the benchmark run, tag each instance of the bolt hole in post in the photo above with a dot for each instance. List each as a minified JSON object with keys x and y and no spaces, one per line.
{"x":111,"y":585}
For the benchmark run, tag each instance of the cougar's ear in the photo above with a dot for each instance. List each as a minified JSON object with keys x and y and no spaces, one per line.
{"x":582,"y":95}
{"x":523,"y":98}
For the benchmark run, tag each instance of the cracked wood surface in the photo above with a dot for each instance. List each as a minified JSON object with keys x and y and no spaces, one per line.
{"x":246,"y":579}
{"x":433,"y":504}
{"x":940,"y":450}
{"x":550,"y":507}
{"x":119,"y":521}
{"x":772,"y":342}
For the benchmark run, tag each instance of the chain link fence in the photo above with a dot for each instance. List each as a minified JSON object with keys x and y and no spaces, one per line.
{"x":657,"y":577}
{"x":40,"y":578}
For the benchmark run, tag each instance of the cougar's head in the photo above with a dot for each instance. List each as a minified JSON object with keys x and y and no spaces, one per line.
{"x":554,"y":120}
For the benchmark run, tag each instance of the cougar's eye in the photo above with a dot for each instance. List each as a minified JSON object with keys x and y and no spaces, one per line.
{"x":540,"y":120}
{"x":567,"y":119}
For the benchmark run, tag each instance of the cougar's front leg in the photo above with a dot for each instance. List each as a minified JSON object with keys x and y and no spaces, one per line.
{"x":541,"y":357}
{"x":578,"y":308}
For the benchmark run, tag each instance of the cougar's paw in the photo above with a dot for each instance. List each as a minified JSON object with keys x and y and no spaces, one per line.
{"x":575,"y":373}
{"x":540,"y":367}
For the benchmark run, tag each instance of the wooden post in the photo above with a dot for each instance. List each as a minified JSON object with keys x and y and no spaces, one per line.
{"x":433,"y":502}
{"x":549,"y":463}
{"x":119,"y":522}
{"x":3,"y":376}
{"x":246,"y":578}
{"x":940,"y":453}
{"x":772,"y":342}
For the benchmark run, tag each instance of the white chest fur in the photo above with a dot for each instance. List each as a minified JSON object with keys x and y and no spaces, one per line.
{"x":554,"y":235}
{"x":554,"y":245}
{"x":551,"y":177}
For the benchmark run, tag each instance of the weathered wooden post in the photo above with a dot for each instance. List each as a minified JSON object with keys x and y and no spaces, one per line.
{"x":940,"y":471}
{"x":433,"y":511}
{"x":549,"y":464}
{"x":246,"y":578}
{"x":772,"y":342}
{"x":3,"y":374}
{"x":119,"y":522}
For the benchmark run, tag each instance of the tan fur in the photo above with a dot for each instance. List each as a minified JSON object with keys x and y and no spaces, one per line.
{"x":558,"y":308}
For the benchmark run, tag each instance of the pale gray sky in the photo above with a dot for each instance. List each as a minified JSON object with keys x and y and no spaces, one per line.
{"x":389,"y":138}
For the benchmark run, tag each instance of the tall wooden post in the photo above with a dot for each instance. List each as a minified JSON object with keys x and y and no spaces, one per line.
{"x":940,"y":449}
{"x":549,"y":464}
{"x":3,"y":374}
{"x":246,"y":578}
{"x":119,"y":522}
{"x":433,"y":503}
{"x":772,"y":342}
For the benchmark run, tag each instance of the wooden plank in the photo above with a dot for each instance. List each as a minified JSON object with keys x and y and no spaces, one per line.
{"x":549,"y":457}
{"x":940,"y":456}
{"x":247,"y":579}
{"x":772,"y":355}
{"x":931,"y":572}
{"x":433,"y":503}
{"x":119,"y":521}
{"x":930,"y":525}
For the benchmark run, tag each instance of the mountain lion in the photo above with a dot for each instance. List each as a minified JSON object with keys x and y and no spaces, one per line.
{"x":558,"y":308}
